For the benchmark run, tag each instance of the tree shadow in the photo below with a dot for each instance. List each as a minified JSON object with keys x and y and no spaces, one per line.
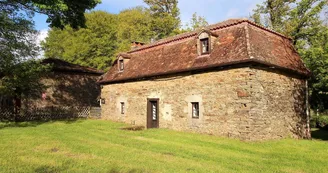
{"x":10,"y":124}
{"x":319,"y":134}
{"x":73,"y":89}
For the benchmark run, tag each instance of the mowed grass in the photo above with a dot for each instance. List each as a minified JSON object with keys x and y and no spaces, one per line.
{"x":101,"y":146}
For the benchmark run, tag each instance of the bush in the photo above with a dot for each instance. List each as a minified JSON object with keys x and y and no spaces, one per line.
{"x":313,"y":123}
{"x":322,"y":122}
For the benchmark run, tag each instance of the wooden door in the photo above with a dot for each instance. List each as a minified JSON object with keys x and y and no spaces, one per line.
{"x":152,"y":113}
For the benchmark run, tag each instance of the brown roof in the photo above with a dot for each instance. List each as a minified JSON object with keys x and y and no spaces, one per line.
{"x":238,"y":41}
{"x":60,"y":65}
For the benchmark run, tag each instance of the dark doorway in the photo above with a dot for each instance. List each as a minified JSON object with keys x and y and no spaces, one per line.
{"x":152,"y":113}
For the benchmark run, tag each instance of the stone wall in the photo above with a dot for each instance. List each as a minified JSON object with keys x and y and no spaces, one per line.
{"x":249,"y":103}
{"x":67,"y":89}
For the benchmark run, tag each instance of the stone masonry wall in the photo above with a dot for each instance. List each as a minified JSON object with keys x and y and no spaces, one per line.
{"x":68,"y":89}
{"x":244,"y":103}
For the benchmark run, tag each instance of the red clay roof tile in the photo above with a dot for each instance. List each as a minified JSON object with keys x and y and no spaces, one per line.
{"x":61,"y":65}
{"x":238,"y":41}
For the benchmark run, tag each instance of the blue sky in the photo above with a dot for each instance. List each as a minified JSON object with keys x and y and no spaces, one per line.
{"x":213,"y":10}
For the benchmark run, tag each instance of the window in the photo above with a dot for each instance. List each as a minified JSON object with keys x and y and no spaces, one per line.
{"x":195,"y":109}
{"x":121,"y":64}
{"x":205,"y":48}
{"x":122,"y":108}
{"x":154,"y":110}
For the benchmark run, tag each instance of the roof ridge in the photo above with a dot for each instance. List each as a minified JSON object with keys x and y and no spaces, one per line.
{"x":209,"y":27}
{"x":248,"y":44}
{"x":66,"y":65}
{"x":188,"y":34}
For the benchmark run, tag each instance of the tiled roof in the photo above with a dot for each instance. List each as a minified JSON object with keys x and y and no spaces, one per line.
{"x":238,"y":41}
{"x":60,"y":65}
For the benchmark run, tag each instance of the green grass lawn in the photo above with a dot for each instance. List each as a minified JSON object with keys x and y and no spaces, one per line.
{"x":100,"y":146}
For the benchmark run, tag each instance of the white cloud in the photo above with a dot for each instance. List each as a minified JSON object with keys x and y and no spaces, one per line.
{"x":43,"y":34}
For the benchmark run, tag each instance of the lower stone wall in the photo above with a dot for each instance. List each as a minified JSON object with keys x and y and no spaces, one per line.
{"x":67,"y":89}
{"x":244,"y":103}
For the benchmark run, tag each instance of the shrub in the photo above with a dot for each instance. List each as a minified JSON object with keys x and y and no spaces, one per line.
{"x":322,"y":122}
{"x":313,"y":123}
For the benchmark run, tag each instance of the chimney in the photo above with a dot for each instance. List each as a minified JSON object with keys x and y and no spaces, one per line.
{"x":136,"y":44}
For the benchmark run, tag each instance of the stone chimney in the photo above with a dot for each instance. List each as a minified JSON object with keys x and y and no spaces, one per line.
{"x":136,"y":44}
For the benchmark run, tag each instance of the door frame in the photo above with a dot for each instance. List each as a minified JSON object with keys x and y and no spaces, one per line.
{"x":149,"y":113}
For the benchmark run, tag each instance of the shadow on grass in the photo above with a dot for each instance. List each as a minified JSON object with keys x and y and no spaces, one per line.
{"x":319,"y":134}
{"x":9,"y":124}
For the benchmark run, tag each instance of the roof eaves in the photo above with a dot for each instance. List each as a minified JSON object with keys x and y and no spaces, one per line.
{"x":303,"y":74}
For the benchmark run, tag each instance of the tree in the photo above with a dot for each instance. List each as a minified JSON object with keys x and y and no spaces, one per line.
{"x":272,"y":12}
{"x":93,"y":46}
{"x":165,"y":14}
{"x":196,"y":22}
{"x":23,"y":80}
{"x":19,"y":72}
{"x":59,"y":12}
{"x":315,"y":57}
{"x":134,"y":25}
{"x":297,"y":22}
{"x":16,"y":38}
{"x":301,"y":20}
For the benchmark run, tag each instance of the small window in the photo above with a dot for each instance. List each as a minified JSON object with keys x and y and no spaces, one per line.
{"x":205,"y":48}
{"x":121,"y":65}
{"x":122,"y":108}
{"x":195,"y":109}
{"x":154,"y":110}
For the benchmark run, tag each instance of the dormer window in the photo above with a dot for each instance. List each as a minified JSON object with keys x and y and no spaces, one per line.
{"x":122,"y":61}
{"x":121,"y":64}
{"x":205,"y":48}
{"x":205,"y":42}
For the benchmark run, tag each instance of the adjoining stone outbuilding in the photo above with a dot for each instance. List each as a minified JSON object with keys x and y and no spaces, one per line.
{"x":234,"y":79}
{"x":68,"y":91}
{"x":68,"y":85}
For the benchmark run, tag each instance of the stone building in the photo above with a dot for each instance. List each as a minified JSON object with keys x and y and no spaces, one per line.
{"x":234,"y":79}
{"x":68,"y":85}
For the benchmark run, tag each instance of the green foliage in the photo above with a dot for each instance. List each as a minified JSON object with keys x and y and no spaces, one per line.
{"x":272,"y":12}
{"x":301,"y":20}
{"x":93,"y":46}
{"x":16,"y":37}
{"x":19,"y":72}
{"x":134,"y":25}
{"x":22,"y":80}
{"x":101,"y":146}
{"x":59,"y":12}
{"x":165,"y":17}
{"x":196,"y":22}
{"x":323,"y":122}
{"x":320,"y":121}
{"x":106,"y":34}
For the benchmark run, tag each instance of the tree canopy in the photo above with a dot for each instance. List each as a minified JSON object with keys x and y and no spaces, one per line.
{"x":19,"y":72}
{"x":196,"y":22}
{"x":59,"y":12}
{"x":165,"y":17}
{"x":107,"y":34}
{"x":134,"y":24}
{"x":93,"y":46}
{"x":301,"y":20}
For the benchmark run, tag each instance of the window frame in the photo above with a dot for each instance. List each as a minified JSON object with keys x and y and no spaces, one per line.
{"x":122,"y":107}
{"x":202,"y":47}
{"x":197,"y":110}
{"x":121,"y":65}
